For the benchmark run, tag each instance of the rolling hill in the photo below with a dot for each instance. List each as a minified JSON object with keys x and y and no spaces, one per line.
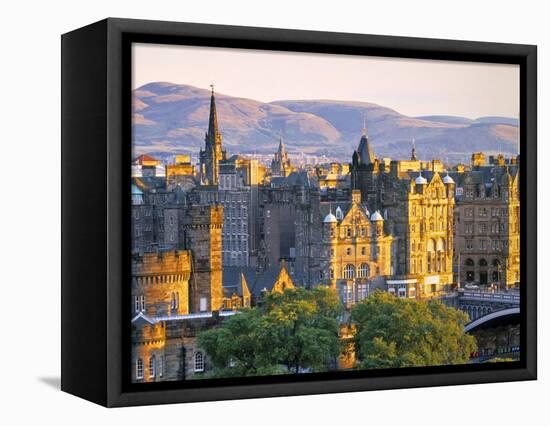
{"x":170,"y":118}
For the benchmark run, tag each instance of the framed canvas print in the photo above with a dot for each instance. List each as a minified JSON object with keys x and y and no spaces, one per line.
{"x":253,"y":212}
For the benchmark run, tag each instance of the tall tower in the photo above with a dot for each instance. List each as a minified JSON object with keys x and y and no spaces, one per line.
{"x":212,"y":153}
{"x":364,"y":169}
{"x":203,"y":236}
{"x":413,"y":152}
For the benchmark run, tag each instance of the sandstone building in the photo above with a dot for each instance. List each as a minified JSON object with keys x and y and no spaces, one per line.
{"x":356,"y":251}
{"x":417,"y":202}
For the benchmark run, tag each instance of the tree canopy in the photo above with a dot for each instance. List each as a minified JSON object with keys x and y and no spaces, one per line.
{"x":291,"y":332}
{"x":394,"y":332}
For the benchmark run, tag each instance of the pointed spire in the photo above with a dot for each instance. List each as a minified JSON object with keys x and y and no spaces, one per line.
{"x":413,"y":153}
{"x":281,"y":147}
{"x":364,"y":130}
{"x":213,"y":136}
{"x":366,"y":156}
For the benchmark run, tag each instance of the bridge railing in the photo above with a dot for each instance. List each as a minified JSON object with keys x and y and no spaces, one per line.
{"x":491,"y":297}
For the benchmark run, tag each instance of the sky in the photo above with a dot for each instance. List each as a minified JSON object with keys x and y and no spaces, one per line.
{"x":412,"y":87}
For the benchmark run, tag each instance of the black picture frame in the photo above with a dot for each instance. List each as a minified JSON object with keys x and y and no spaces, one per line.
{"x":96,"y":136}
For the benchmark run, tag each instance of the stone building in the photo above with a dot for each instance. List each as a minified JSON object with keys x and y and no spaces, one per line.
{"x":235,"y":197}
{"x":160,"y":283}
{"x":356,"y":251}
{"x":203,"y":235}
{"x":180,"y":173}
{"x":157,"y":216}
{"x":212,"y":153}
{"x":487,"y":222}
{"x":417,"y":204}
{"x":281,"y":165}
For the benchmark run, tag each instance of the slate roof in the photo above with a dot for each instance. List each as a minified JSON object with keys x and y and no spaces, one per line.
{"x":231,"y":279}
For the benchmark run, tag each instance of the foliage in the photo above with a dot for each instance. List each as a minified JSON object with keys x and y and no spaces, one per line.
{"x":291,"y":332}
{"x":394,"y":332}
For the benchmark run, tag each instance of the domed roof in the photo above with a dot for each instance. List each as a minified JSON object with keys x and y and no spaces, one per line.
{"x":448,"y":179}
{"x":376,"y":216}
{"x":330,"y":218}
{"x":421,"y":180}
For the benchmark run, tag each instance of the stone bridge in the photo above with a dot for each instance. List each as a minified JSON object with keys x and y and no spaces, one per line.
{"x":479,"y":303}
{"x":490,"y":317}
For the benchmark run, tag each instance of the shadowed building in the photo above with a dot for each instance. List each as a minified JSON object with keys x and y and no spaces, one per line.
{"x":281,"y":165}
{"x":487,"y":222}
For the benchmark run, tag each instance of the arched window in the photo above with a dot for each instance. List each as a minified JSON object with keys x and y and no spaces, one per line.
{"x":139,"y":368}
{"x":440,"y":246}
{"x":469,"y":262}
{"x":152,"y":366}
{"x":482,"y":263}
{"x":430,"y":246}
{"x":363,"y":271}
{"x":348,"y":251}
{"x":199,"y":362}
{"x":496,"y":263}
{"x":331,"y":273}
{"x":349,"y":272}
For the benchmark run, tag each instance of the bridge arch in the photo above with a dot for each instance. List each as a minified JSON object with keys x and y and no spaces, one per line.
{"x":491,"y":316}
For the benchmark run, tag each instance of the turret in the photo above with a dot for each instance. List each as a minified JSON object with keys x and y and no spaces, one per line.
{"x":378,"y":222}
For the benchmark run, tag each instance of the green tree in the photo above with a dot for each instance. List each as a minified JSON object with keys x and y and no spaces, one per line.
{"x":292,"y":332}
{"x":394,"y":332}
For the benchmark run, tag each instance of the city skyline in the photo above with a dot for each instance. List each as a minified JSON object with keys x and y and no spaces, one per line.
{"x":411,"y":87}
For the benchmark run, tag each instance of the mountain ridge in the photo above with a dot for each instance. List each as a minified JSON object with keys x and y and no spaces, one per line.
{"x":172,"y":118}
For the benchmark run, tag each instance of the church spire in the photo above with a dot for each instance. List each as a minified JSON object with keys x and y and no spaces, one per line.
{"x":413,"y":152}
{"x":282,"y":153}
{"x":213,"y":136}
{"x":364,"y":130}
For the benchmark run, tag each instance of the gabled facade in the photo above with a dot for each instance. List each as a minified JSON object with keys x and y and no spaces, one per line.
{"x":356,"y":251}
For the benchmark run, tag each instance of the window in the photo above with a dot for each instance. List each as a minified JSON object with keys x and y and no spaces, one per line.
{"x":161,"y":366}
{"x":136,"y":303}
{"x":349,"y":272}
{"x":331,"y":273}
{"x":142,"y":303}
{"x":152,"y":366}
{"x":363,"y":251}
{"x":348,"y":232}
{"x":199,"y":362}
{"x":202,"y":304}
{"x":469,"y":244}
{"x":348,"y":251}
{"x":139,"y":368}
{"x":362,"y":291}
{"x":363,"y":270}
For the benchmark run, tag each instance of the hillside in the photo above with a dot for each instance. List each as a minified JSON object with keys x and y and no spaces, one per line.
{"x":170,"y":118}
